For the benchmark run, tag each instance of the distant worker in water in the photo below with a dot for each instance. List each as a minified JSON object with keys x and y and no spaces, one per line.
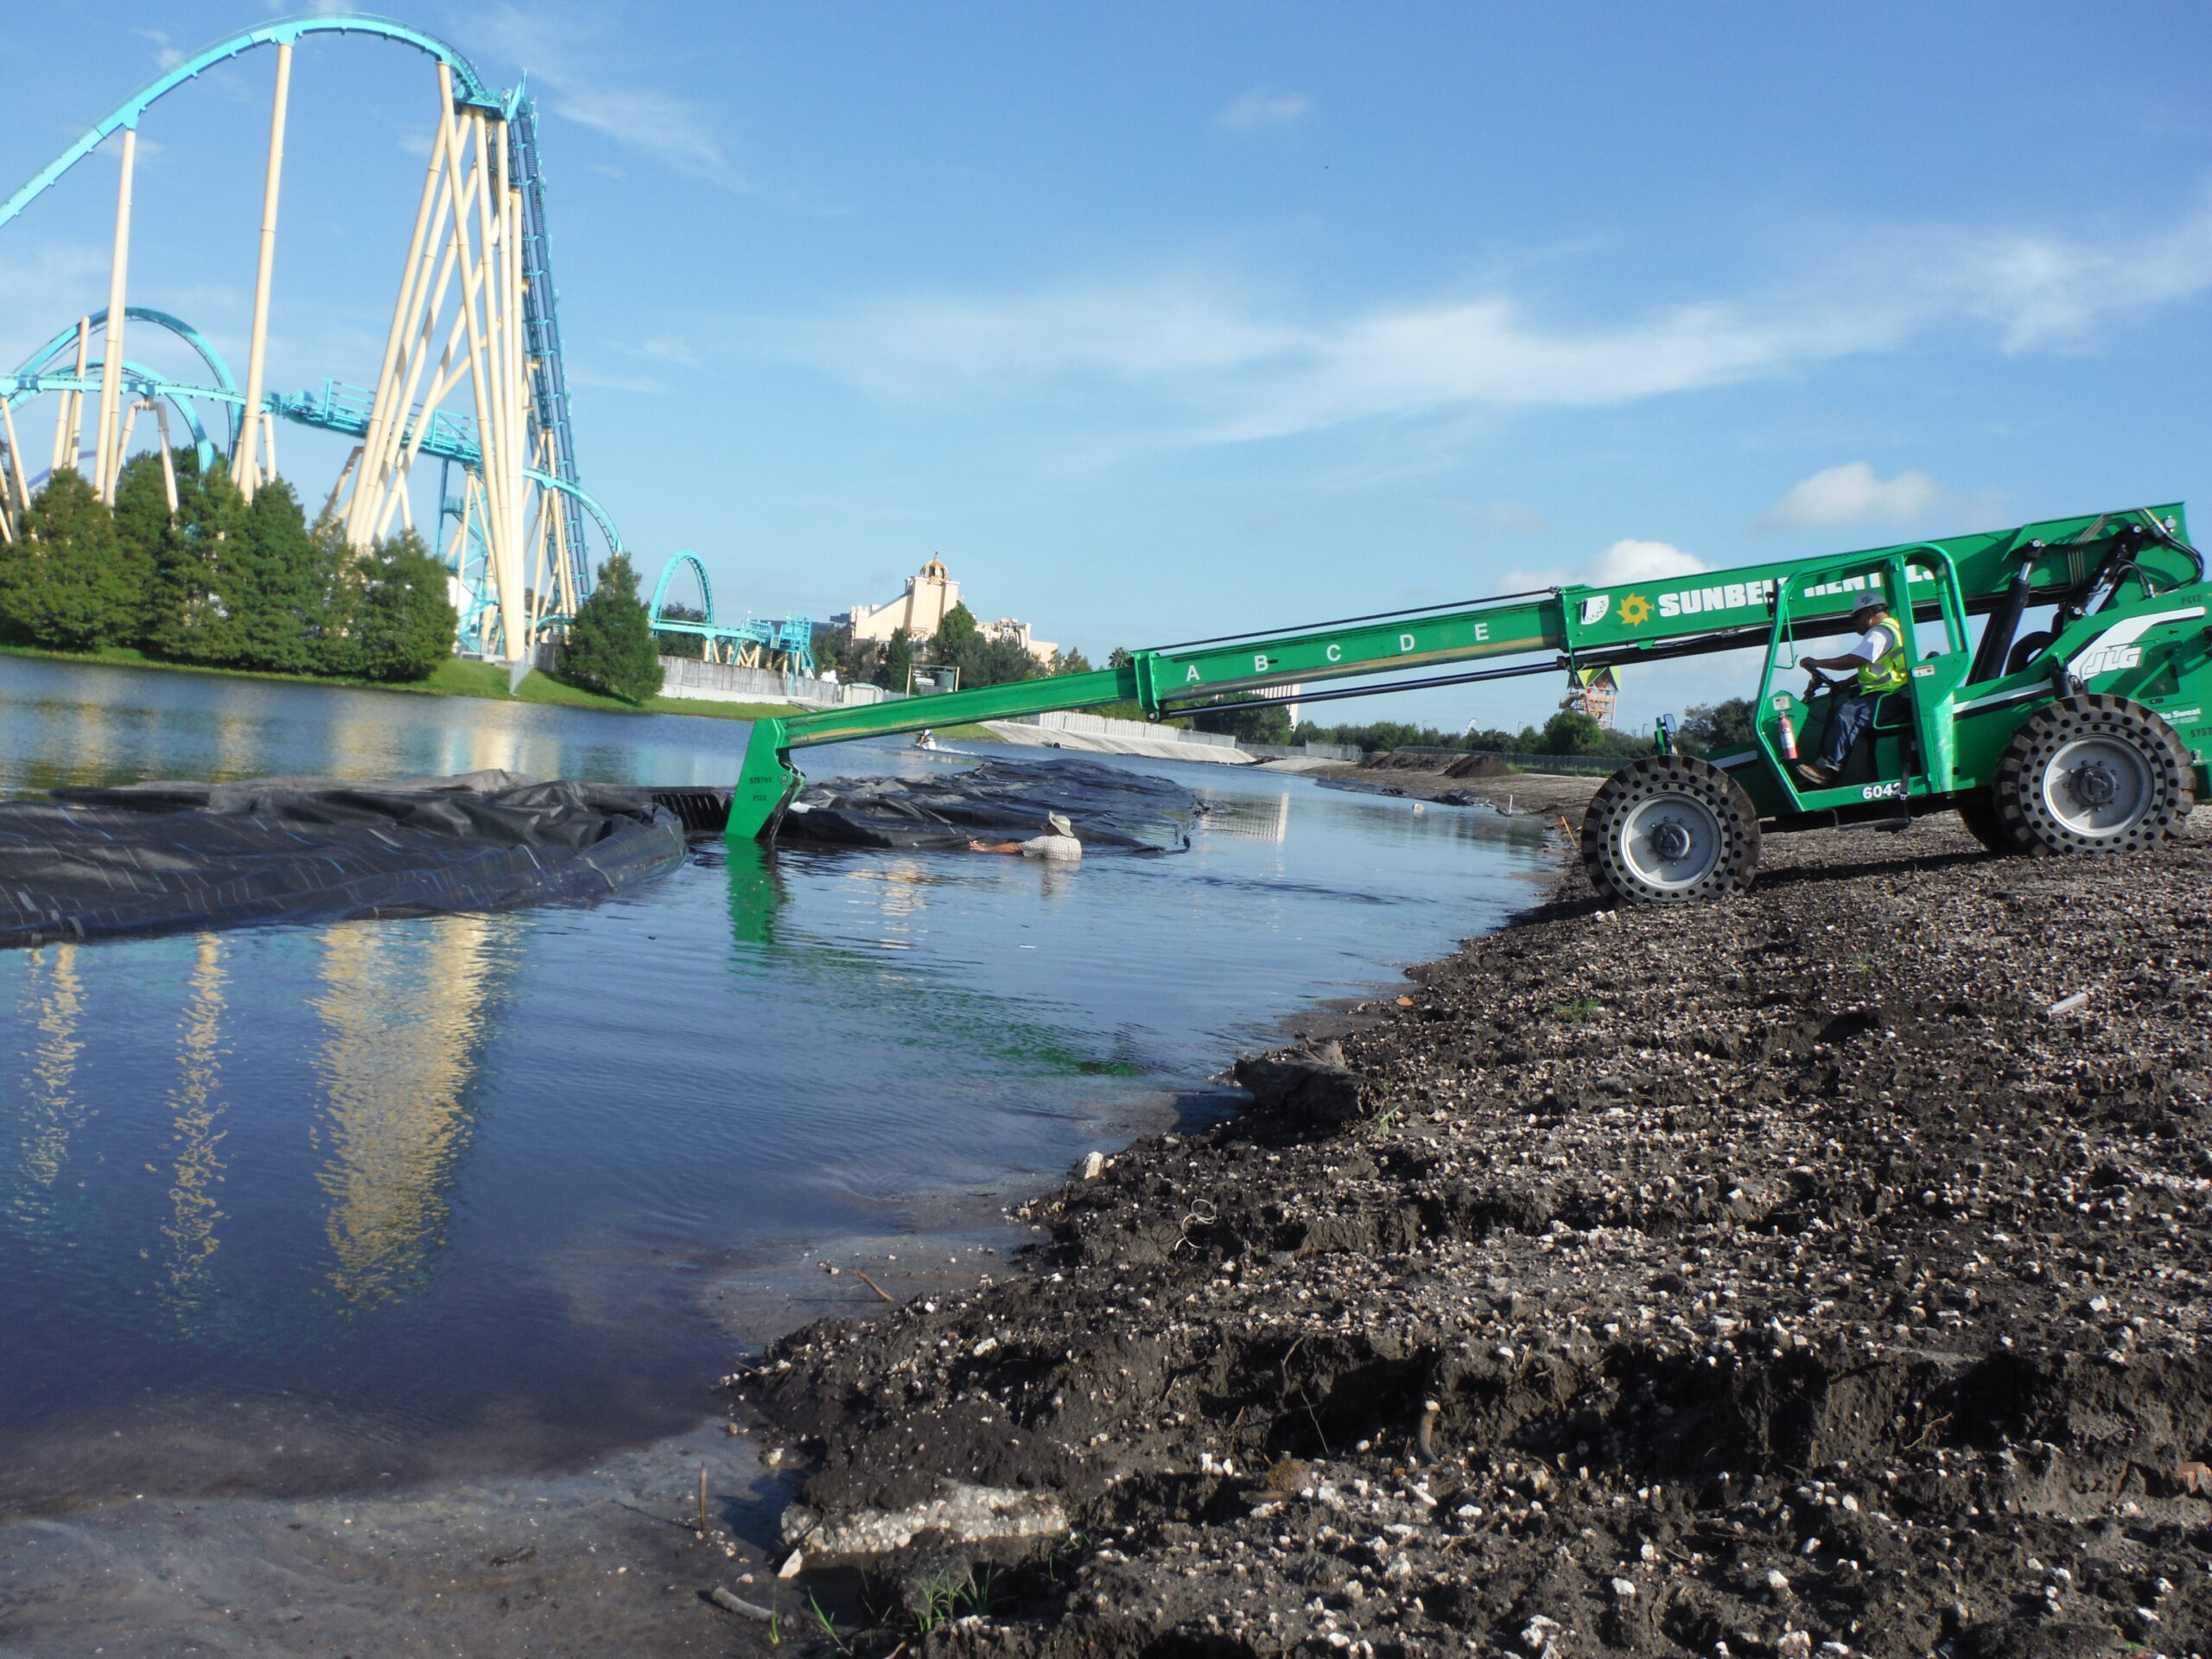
{"x":1057,"y":841}
{"x":925,"y":739}
{"x":1879,"y":659}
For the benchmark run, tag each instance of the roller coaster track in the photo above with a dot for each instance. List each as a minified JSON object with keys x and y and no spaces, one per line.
{"x":516,"y":532}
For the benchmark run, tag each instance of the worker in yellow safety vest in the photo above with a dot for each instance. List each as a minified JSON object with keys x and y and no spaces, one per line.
{"x":1879,"y":659}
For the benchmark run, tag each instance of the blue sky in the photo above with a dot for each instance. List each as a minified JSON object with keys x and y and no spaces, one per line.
{"x":1156,"y":320}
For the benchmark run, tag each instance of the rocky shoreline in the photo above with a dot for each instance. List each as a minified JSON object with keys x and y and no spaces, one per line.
{"x":1819,"y":1272}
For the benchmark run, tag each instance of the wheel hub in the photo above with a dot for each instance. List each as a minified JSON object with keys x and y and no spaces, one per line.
{"x":2093,"y":786}
{"x":2099,"y":787}
{"x":1671,"y":841}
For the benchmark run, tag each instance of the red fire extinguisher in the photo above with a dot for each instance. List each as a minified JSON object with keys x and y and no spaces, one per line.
{"x":1785,"y":734}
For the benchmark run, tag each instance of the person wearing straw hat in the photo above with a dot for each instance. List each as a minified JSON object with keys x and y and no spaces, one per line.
{"x":1058,"y":841}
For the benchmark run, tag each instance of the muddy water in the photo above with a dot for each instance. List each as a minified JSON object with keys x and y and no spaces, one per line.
{"x":296,"y":1210}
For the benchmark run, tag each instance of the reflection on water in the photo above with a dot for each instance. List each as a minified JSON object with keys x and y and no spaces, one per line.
{"x":473,"y":1176}
{"x":403,"y":1014}
{"x":1263,"y":820}
{"x":195,"y":1109}
{"x":51,"y":1002}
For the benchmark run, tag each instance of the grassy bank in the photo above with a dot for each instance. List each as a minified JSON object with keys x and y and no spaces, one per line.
{"x":455,"y":678}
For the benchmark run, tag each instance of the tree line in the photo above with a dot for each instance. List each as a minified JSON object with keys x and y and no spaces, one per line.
{"x":1705,"y":728}
{"x":959,"y":642}
{"x":219,"y":581}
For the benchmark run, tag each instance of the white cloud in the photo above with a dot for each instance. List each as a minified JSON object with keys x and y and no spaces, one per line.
{"x":672,"y":130}
{"x":1851,"y":495}
{"x":1263,"y":106}
{"x":1627,"y":560}
{"x":1242,"y":370}
{"x":2042,"y":291}
{"x":567,"y":63}
{"x":1227,"y":363}
{"x":165,"y":55}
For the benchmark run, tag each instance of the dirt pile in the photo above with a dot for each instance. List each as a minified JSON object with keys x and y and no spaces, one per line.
{"x":1449,"y":764}
{"x":1820,"y":1272}
{"x":1479,"y":766}
{"x":1407,"y":761}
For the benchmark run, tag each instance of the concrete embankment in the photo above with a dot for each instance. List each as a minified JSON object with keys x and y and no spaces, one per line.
{"x":1820,"y":1272}
{"x":1101,"y":735}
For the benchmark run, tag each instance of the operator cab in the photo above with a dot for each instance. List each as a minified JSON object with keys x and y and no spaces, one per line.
{"x":1907,"y":751}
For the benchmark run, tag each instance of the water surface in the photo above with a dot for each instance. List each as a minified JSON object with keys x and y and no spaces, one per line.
{"x":295,"y":1207}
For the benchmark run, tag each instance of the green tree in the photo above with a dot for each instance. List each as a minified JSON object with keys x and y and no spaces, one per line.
{"x":1070,"y":661}
{"x":989,"y":660}
{"x":898,"y":664}
{"x":276,"y":585}
{"x":389,"y":618}
{"x":1710,"y":728}
{"x":693,"y":645}
{"x":66,"y":586}
{"x":197,"y":566}
{"x":1571,"y":732}
{"x":1226,"y":715}
{"x":858,"y":662}
{"x":983,"y":658}
{"x":144,"y":525}
{"x":956,"y":634}
{"x":1120,"y":657}
{"x":610,"y":646}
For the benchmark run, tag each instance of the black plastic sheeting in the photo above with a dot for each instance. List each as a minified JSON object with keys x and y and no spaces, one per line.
{"x":1112,"y":811}
{"x":162,"y":857}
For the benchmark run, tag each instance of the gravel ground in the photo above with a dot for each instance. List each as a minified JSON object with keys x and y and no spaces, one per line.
{"x":1819,"y":1272}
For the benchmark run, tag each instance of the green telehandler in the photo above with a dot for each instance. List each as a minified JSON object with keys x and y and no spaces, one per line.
{"x":2074,"y":722}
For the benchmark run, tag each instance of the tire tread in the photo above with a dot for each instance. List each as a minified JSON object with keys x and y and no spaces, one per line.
{"x":1670,"y":774}
{"x":2016,"y":793}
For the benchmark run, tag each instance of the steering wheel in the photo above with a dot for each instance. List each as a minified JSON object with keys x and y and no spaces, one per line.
{"x":1818,"y":683}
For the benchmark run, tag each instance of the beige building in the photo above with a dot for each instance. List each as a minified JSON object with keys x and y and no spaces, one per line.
{"x":921,"y":611}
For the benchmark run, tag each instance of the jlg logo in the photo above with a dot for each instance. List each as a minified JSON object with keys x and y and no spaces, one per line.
{"x":2106,"y":659}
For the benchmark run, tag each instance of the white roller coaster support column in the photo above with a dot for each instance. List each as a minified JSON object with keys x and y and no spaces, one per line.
{"x":14,"y":458}
{"x":479,"y":384}
{"x":105,"y":462}
{"x":168,"y":460}
{"x":70,"y":410}
{"x":467,"y":249}
{"x":401,"y":306}
{"x":503,"y":475}
{"x":516,"y":385}
{"x":428,"y":305}
{"x":253,"y":428}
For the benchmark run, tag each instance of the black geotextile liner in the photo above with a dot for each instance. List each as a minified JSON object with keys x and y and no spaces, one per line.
{"x":1112,"y":811}
{"x":159,"y":857}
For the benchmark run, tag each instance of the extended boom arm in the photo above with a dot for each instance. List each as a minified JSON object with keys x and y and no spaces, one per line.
{"x":1579,"y":626}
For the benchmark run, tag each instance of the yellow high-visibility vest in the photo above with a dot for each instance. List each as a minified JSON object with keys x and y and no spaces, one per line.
{"x":1889,"y":672}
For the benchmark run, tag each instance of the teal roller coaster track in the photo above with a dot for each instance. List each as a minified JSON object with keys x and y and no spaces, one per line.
{"x":531,"y":445}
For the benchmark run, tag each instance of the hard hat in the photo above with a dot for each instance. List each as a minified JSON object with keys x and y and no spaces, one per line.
{"x":1870,"y":601}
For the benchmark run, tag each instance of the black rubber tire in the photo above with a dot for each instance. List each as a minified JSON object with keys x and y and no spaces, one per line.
{"x":1619,"y":855}
{"x":1978,"y":811}
{"x":2165,"y":786}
